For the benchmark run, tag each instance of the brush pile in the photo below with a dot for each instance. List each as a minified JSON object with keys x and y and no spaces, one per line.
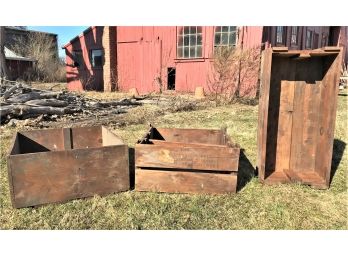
{"x":19,"y":101}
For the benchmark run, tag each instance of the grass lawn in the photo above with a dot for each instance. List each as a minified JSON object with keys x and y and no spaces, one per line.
{"x":255,"y":206}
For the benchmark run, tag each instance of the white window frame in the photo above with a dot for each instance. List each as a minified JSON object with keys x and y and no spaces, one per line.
{"x":294,"y":36}
{"x":197,"y":46}
{"x":92,"y":59}
{"x":231,"y":30}
{"x":310,"y":38}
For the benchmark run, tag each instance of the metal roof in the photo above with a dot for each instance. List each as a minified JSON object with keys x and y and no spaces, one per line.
{"x":78,"y":36}
{"x":10,"y":55}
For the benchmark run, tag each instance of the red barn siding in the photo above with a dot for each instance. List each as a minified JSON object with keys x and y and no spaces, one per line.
{"x":84,"y":77}
{"x":144,"y":54}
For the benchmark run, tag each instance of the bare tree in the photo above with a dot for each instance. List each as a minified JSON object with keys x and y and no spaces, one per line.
{"x":233,"y":67}
{"x":3,"y":67}
{"x":42,"y":48}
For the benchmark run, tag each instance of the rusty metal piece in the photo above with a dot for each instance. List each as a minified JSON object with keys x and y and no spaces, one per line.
{"x":186,"y":161}
{"x":57,"y":165}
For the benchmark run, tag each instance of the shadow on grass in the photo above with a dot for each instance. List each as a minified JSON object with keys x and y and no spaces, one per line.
{"x":337,"y":154}
{"x":131,"y":167}
{"x":246,"y":171}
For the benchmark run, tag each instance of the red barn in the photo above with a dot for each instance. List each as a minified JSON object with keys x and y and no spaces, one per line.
{"x":154,"y":58}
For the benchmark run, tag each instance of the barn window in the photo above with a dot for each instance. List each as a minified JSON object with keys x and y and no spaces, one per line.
{"x":280,"y":35}
{"x":225,"y":36}
{"x":77,"y":58}
{"x":324,"y":40}
{"x":309,"y":39}
{"x":97,"y":58}
{"x":189,"y":42}
{"x":294,"y":35}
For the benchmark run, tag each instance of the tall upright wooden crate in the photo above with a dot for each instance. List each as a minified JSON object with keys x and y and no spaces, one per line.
{"x":297,"y":112}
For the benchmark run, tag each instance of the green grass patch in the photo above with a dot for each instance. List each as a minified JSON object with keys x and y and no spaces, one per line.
{"x":255,"y":206}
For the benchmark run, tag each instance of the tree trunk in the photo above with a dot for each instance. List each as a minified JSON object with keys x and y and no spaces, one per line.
{"x":3,"y":67}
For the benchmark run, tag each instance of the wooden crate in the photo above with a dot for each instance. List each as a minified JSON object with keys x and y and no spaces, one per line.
{"x":297,"y":112}
{"x":186,"y":161}
{"x":57,"y":165}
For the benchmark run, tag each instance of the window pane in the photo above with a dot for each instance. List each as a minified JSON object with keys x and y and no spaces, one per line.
{"x":180,"y":43}
{"x":193,"y":30}
{"x":96,"y":53}
{"x":186,"y":52}
{"x":279,"y":34}
{"x":232,"y":40}
{"x":192,"y":40}
{"x":180,"y":53}
{"x":192,"y":51}
{"x":98,"y":61}
{"x":199,"y":51}
{"x":224,"y":38}
{"x":294,"y":35}
{"x":199,"y":40}
{"x":186,"y":30}
{"x":199,"y":29}
{"x":96,"y":58}
{"x":224,"y":29}
{"x":186,"y":40}
{"x":227,"y":37}
{"x":233,"y":28}
{"x":217,"y":38}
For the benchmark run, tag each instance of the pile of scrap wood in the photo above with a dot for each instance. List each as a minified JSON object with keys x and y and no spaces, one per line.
{"x":19,"y":101}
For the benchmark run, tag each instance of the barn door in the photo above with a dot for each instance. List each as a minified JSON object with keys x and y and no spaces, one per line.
{"x":151,"y":66}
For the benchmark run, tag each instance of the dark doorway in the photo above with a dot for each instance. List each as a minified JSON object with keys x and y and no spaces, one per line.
{"x":171,"y":78}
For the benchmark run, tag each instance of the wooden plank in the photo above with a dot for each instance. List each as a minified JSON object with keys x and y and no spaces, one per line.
{"x":67,"y":138}
{"x":87,"y":137}
{"x":297,"y":127}
{"x":266,"y":63}
{"x":327,"y":116}
{"x":280,"y":49}
{"x":285,"y":72}
{"x":163,"y":142}
{"x":286,"y":109}
{"x":332,"y":49}
{"x":52,"y":139}
{"x":204,"y":136}
{"x":184,"y":182}
{"x":199,"y":157}
{"x":60,"y":176}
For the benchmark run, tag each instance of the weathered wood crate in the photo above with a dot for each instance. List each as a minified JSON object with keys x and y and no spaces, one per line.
{"x":297,"y":112}
{"x":186,"y":161}
{"x":57,"y":165}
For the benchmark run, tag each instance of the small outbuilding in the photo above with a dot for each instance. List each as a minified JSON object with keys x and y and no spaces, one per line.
{"x":19,"y":67}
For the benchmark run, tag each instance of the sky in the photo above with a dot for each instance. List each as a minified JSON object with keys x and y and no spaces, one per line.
{"x":65,"y":33}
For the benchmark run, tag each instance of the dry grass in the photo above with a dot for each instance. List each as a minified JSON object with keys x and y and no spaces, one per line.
{"x":255,"y":206}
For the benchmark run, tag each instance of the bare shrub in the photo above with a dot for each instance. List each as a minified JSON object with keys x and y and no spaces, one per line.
{"x":159,"y":77}
{"x":231,"y":68}
{"x":42,"y":48}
